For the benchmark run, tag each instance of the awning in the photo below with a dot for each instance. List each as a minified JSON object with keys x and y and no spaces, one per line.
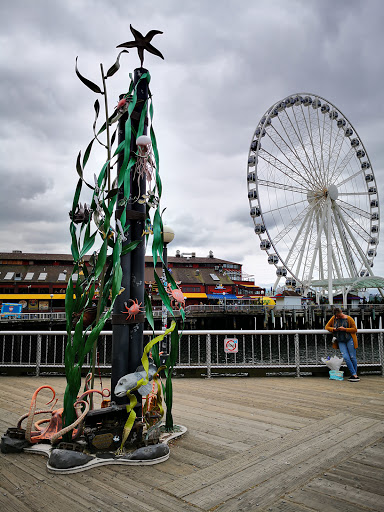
{"x":195,"y":295}
{"x":218,"y":296}
{"x":26,"y":296}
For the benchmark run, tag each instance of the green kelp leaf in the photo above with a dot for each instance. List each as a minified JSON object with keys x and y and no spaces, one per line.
{"x":163,"y":294}
{"x":148,"y":310}
{"x":76,"y":197}
{"x":112,"y":193}
{"x":95,"y":88}
{"x":116,"y":66}
{"x":69,"y":305}
{"x":87,"y":152}
{"x":130,"y":247}
{"x":104,"y":126}
{"x":140,"y":129}
{"x":78,"y":166}
{"x":113,"y":137}
{"x":74,"y":245}
{"x":102,"y":258}
{"x":157,"y":244}
{"x":116,"y":282}
{"x":77,"y":340}
{"x":96,"y":106}
{"x":88,"y":244}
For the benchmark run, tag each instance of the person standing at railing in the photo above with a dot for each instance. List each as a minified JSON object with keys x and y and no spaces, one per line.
{"x":344,"y":329}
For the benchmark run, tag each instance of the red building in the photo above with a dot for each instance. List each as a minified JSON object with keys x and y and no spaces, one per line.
{"x":39,"y":281}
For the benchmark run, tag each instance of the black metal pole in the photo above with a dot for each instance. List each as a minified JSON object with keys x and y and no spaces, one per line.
{"x":127,"y":338}
{"x":164,"y":313}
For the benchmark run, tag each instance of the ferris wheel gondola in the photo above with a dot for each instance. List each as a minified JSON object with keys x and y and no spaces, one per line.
{"x":313,"y":195}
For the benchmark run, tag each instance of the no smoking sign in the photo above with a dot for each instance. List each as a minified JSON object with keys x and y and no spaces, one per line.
{"x":231,"y":345}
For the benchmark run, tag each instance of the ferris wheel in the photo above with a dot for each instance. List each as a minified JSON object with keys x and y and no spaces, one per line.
{"x":313,"y":195}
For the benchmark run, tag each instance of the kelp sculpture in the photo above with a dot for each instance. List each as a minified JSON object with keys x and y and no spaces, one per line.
{"x":102,"y":274}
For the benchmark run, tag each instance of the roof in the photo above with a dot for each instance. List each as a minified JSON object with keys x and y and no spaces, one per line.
{"x":288,"y":293}
{"x":194,"y":259}
{"x":33,"y":256}
{"x":353,"y":282}
{"x":187,"y":276}
{"x":52,"y":274}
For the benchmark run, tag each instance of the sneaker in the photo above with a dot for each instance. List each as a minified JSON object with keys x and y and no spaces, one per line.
{"x":353,"y":379}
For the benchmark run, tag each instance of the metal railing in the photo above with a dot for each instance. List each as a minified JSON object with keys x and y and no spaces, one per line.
{"x":33,"y":316}
{"x":226,"y":307}
{"x":297,"y":351}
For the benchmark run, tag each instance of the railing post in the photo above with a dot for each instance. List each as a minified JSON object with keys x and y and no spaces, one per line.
{"x":381,"y":355}
{"x":297,"y":355}
{"x":38,"y":355}
{"x":208,"y":354}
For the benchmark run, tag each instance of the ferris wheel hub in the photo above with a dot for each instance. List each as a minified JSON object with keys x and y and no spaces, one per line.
{"x":332,"y":192}
{"x":315,"y":195}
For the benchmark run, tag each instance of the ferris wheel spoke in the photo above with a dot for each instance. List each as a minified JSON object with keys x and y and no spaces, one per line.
{"x":310,"y":133}
{"x":289,"y":172}
{"x":329,"y":149}
{"x":339,"y":140}
{"x":304,"y":243}
{"x":300,"y":138}
{"x":299,"y":242}
{"x":353,"y":193}
{"x":349,"y":178}
{"x":274,"y":184}
{"x":302,"y":215}
{"x":347,"y":248}
{"x":281,"y":208}
{"x":354,"y":209}
{"x":343,"y":164}
{"x":357,"y":228}
{"x":337,"y":256}
{"x":291,"y":146}
{"x":353,"y":239}
{"x":285,"y":149}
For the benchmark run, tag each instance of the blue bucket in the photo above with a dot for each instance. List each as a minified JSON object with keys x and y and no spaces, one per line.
{"x":336,"y":375}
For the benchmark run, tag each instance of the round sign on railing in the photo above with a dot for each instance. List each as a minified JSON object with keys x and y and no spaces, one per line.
{"x":231,"y":345}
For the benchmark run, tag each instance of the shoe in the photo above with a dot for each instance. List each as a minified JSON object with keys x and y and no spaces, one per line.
{"x":353,"y":379}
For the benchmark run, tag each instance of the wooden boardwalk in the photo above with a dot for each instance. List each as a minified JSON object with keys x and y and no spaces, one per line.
{"x":253,"y":444}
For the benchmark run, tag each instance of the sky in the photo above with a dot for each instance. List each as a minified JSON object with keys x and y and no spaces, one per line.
{"x":226,"y":62}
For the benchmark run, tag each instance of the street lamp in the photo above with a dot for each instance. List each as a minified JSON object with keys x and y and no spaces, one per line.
{"x":168,"y":236}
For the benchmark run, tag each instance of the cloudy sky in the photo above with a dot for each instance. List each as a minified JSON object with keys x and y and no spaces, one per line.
{"x":226,"y":62}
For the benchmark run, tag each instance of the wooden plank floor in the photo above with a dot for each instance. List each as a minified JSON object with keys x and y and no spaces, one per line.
{"x":253,"y":444}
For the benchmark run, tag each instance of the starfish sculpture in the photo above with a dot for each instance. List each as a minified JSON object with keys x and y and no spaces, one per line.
{"x":142,"y":43}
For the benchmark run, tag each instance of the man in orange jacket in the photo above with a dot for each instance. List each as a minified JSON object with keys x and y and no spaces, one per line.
{"x":344,"y":329}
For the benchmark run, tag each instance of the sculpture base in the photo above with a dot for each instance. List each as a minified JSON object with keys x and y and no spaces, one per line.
{"x":63,"y":461}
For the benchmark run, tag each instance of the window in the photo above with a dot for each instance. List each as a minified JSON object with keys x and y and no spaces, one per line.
{"x":191,"y":289}
{"x":61,"y":277}
{"x":29,"y":276}
{"x":214,"y":277}
{"x":9,"y":275}
{"x":42,"y":276}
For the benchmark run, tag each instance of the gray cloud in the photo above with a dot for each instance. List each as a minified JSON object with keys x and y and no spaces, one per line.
{"x":225,"y":64}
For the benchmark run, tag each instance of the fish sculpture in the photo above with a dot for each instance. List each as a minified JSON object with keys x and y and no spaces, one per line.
{"x":131,"y":380}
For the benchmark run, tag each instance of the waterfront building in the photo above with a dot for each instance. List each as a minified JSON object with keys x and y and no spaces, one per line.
{"x":39,"y":281}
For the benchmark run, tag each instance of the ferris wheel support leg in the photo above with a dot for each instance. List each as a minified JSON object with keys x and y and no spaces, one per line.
{"x":346,"y":249}
{"x":318,"y":242}
{"x":360,"y":251}
{"x":329,"y":251}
